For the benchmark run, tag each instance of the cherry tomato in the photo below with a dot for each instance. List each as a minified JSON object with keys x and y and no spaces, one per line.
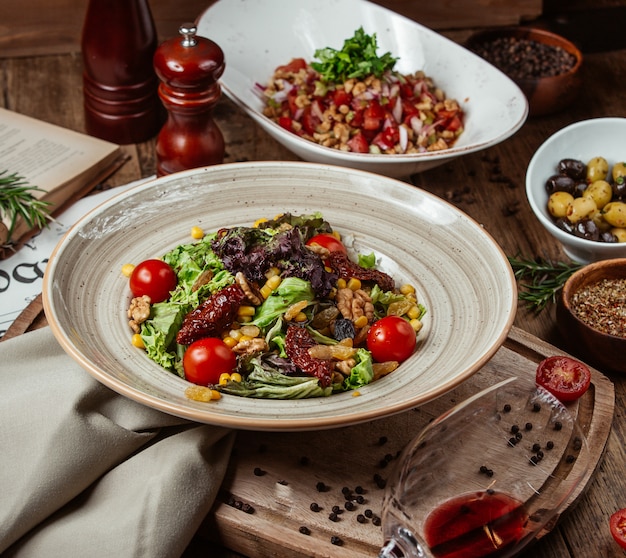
{"x":154,"y":278}
{"x":205,"y":360}
{"x":618,"y":527}
{"x":391,"y":338}
{"x":564,"y":377}
{"x":328,"y":241}
{"x":358,"y":144}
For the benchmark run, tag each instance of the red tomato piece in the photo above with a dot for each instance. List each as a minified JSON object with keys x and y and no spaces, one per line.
{"x":341,"y":97}
{"x":295,"y":65}
{"x":328,"y":241}
{"x":564,"y":377}
{"x":358,"y":144}
{"x":153,"y":278}
{"x":391,"y":338}
{"x":618,"y":527}
{"x":286,"y":123}
{"x":205,"y":360}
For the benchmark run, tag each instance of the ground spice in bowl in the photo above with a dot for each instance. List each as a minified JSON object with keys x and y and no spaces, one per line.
{"x":602,"y":306}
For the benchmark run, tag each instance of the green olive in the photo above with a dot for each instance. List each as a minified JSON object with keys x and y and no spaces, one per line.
{"x":614,"y":214}
{"x":619,"y":169}
{"x":620,"y":233}
{"x":600,"y":191}
{"x":597,"y":169}
{"x":558,"y":204}
{"x":581,"y":208}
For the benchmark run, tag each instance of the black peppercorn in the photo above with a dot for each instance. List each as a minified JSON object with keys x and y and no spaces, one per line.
{"x":304,"y":530}
{"x":361,"y":518}
{"x":314,"y":507}
{"x":336,"y":540}
{"x":258,"y":472}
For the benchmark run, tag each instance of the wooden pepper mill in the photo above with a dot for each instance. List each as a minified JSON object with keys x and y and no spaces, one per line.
{"x":118,"y":42}
{"x":189,"y":69}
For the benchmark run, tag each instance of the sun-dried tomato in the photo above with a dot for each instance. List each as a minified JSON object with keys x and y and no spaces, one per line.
{"x":346,"y":269}
{"x":214,"y":315}
{"x":298,"y":340}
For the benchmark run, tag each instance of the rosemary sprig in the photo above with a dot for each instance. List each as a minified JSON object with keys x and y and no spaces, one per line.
{"x":543,"y":279}
{"x":17,"y":200}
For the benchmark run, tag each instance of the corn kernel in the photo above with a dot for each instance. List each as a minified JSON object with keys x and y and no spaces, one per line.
{"x":278,"y":216}
{"x":245,"y":319}
{"x":356,"y":393}
{"x":137,"y":341}
{"x":265,"y":291}
{"x":235,"y":333}
{"x":407,"y":289}
{"x":229,"y":341}
{"x":274,"y":281}
{"x":413,"y":313}
{"x":259,"y":221}
{"x":235,"y":377}
{"x":197,"y":233}
{"x":215,"y":395}
{"x":354,"y":284}
{"x":224,"y":377}
{"x":250,"y":331}
{"x":341,"y":283}
{"x":416,"y":325}
{"x":360,"y":322}
{"x":300,"y":317}
{"x":245,"y":311}
{"x":127,"y":269}
{"x":244,"y":338}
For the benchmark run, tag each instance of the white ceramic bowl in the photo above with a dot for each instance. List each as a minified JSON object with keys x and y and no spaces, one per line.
{"x":605,"y":137}
{"x":418,"y":238}
{"x":259,"y":35}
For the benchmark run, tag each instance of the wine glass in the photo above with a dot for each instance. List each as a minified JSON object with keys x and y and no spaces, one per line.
{"x":484,"y":478}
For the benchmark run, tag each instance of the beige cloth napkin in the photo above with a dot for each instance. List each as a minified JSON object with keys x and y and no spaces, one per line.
{"x":87,"y":472}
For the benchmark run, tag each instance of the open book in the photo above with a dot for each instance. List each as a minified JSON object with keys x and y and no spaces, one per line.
{"x":63,"y":163}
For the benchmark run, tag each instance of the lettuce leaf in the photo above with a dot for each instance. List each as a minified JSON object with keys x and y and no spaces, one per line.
{"x":290,"y":291}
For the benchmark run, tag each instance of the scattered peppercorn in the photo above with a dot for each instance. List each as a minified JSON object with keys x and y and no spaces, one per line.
{"x":361,"y":518}
{"x":536,"y":447}
{"x":368,"y":513}
{"x":578,"y":443}
{"x":314,"y":507}
{"x":333,"y":516}
{"x":258,"y":472}
{"x":549,"y":444}
{"x":337,"y":510}
{"x":359,"y":490}
{"x":514,"y":429}
{"x":379,"y":481}
{"x":247,"y":508}
{"x":360,"y":499}
{"x":321,"y":487}
{"x":528,"y":426}
{"x":536,"y":407}
{"x":382,"y":440}
{"x":336,"y":540}
{"x":376,"y":521}
{"x":304,"y":530}
{"x":349,"y":505}
{"x":570,"y":459}
{"x":507,"y":408}
{"x":558,"y":425}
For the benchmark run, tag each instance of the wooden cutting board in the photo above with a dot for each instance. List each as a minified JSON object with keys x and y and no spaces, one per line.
{"x":275,"y":478}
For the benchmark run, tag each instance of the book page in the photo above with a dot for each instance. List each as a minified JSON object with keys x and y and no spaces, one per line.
{"x":46,"y":155}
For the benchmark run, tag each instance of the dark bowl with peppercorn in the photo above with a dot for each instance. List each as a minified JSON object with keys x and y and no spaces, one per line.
{"x":591,"y":314}
{"x":544,"y":65}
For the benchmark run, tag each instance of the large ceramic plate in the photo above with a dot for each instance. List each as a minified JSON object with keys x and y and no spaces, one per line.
{"x":259,"y":35}
{"x":460,"y":273}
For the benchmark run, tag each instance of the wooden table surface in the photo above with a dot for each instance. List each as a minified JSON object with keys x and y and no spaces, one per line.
{"x":489,"y":186}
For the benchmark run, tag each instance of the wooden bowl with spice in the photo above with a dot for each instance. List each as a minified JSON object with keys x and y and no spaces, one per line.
{"x":591,"y":314}
{"x":544,"y":65}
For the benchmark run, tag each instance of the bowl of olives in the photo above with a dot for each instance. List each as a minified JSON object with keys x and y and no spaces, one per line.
{"x":576,"y":186}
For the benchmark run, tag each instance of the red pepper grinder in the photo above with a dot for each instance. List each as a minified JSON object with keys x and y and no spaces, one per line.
{"x":189,"y":70}
{"x":118,"y":42}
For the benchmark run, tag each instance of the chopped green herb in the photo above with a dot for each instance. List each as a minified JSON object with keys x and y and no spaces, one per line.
{"x":357,"y":59}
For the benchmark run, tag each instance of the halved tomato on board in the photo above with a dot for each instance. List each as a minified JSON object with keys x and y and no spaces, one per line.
{"x":618,"y":527}
{"x":564,"y":377}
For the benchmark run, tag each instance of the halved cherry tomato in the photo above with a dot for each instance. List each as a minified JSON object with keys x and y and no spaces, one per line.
{"x":391,"y":338}
{"x":618,"y":527}
{"x":328,"y":241}
{"x":295,"y":65}
{"x":205,"y":360}
{"x":564,"y":377}
{"x":154,"y":278}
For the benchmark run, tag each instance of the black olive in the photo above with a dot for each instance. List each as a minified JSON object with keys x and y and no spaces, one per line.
{"x":608,"y":236}
{"x":579,"y":189}
{"x":587,"y":228}
{"x":344,"y":329}
{"x":619,"y":188}
{"x":565,"y":225}
{"x":573,"y":168}
{"x":560,"y":183}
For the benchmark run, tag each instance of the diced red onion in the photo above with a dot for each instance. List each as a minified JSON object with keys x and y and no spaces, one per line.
{"x":404,"y":138}
{"x":397,"y":110}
